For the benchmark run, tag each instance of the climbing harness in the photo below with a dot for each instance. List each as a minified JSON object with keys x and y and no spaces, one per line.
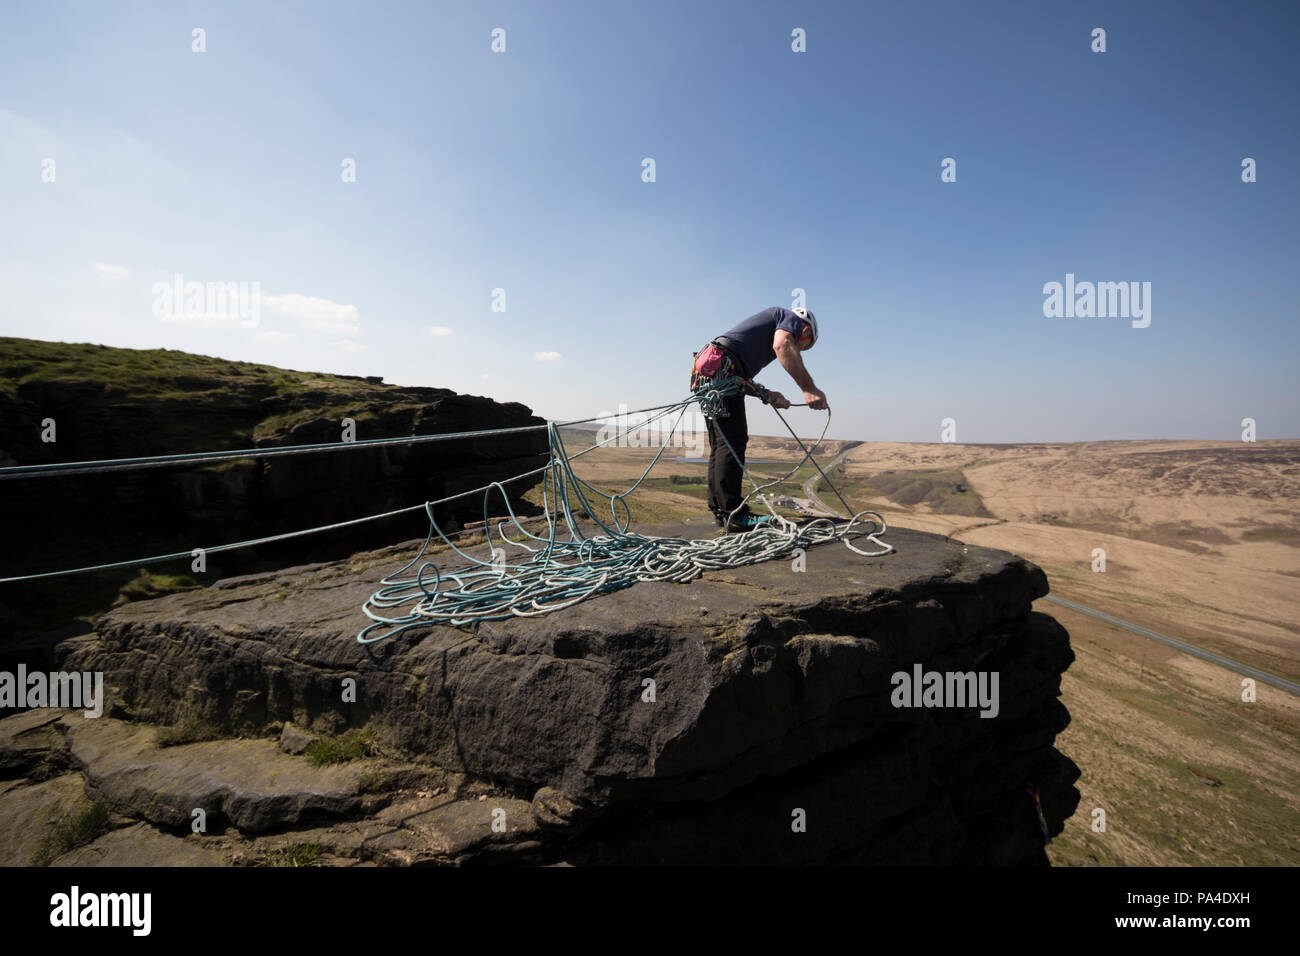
{"x":718,"y":362}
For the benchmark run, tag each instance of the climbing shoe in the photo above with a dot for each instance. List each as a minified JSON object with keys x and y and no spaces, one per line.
{"x":746,"y":521}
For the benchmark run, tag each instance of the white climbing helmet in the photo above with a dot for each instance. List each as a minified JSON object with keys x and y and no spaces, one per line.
{"x":810,"y":319}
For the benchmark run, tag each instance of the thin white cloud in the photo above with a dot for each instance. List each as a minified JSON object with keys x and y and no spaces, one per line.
{"x":113,"y":154}
{"x":21,"y":125}
{"x":202,"y":320}
{"x":439,"y":331}
{"x":106,"y":271}
{"x":547,"y":357}
{"x":347,"y":345}
{"x":270,"y":335}
{"x":316,"y":315}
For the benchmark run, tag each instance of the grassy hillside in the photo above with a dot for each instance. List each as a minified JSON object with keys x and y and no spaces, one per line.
{"x":110,"y":403}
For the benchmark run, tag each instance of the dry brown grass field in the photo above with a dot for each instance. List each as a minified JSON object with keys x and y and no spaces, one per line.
{"x":1201,"y":542}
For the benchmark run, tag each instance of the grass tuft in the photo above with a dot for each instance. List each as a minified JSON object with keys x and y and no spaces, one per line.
{"x":350,"y":745}
{"x":295,"y":854}
{"x":71,"y":832}
{"x":189,"y":730}
{"x":147,"y":585}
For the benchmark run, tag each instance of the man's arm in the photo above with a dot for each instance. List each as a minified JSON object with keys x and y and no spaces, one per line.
{"x":787,"y":353}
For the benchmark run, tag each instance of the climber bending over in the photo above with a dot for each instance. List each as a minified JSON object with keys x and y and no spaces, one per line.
{"x":745,"y":350}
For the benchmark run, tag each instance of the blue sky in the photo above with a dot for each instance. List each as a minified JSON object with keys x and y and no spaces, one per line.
{"x":775,"y":170}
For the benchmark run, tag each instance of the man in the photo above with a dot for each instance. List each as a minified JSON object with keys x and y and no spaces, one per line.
{"x":745,"y":350}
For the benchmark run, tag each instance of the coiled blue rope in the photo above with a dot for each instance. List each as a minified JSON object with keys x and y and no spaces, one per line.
{"x":556,"y":572}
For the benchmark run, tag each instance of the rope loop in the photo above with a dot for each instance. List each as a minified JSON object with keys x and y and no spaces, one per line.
{"x":564,"y":570}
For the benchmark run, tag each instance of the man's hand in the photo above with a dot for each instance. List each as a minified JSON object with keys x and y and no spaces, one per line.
{"x":815,"y":398}
{"x":777,"y":400}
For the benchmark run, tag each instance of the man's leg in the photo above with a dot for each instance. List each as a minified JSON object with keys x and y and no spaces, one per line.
{"x":716,"y":465}
{"x":726,"y":475}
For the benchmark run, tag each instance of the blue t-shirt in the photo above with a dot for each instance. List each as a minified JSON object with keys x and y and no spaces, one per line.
{"x":752,"y":339}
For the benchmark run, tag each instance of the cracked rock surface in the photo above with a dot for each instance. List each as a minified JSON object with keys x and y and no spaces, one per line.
{"x":661,"y":723}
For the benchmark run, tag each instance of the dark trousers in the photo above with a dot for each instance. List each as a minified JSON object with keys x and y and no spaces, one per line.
{"x":725,"y":472}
